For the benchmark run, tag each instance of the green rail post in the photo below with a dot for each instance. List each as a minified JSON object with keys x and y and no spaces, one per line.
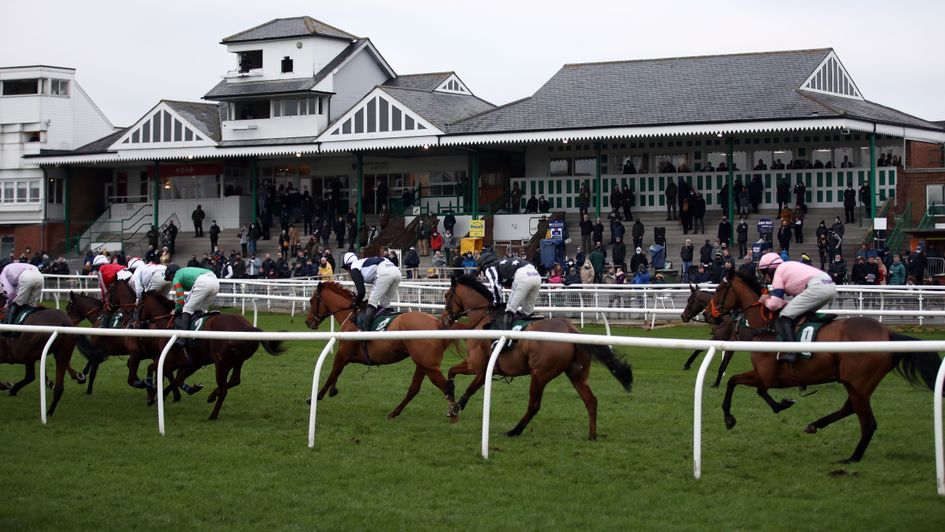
{"x":872,"y":182}
{"x":254,"y":187}
{"x":360,"y":201}
{"x":67,"y":205}
{"x":156,"y":192}
{"x":729,"y":159}
{"x":474,"y":183}
{"x":597,"y":180}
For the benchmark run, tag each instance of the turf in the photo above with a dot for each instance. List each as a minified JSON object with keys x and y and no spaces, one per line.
{"x":100,"y":463}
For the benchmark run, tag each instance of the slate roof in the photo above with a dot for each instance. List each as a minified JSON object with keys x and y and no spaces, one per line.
{"x":441,"y":109}
{"x":203,"y":116}
{"x":428,"y":82}
{"x":96,"y":146}
{"x":686,"y":90}
{"x":286,"y":28}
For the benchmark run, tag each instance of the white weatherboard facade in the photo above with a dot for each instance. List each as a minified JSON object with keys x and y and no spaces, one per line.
{"x":41,"y":108}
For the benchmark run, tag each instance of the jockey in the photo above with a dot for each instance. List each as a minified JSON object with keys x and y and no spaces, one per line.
{"x":203,"y":287}
{"x":811,"y":290}
{"x":524,"y":280}
{"x":108,"y":273}
{"x":382,"y":273}
{"x":23,"y":285}
{"x":148,"y":277}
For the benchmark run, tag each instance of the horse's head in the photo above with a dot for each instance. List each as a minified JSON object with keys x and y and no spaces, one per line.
{"x":329,"y":299}
{"x":723,"y":301}
{"x":76,"y":315}
{"x":316,"y":309}
{"x":467,"y":297}
{"x":695,"y":304}
{"x":454,"y":308}
{"x":155,"y":306}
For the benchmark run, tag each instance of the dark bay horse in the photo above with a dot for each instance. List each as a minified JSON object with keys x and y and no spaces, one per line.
{"x":723,"y":327}
{"x":227,"y":356}
{"x":330,"y":299}
{"x":469,"y":298}
{"x":27,"y":349}
{"x":860,"y":373}
{"x":121,"y":297}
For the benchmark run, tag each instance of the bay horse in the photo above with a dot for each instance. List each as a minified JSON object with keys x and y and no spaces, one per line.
{"x":544,"y":361}
{"x":27,"y":349}
{"x":723,"y":327}
{"x":860,"y":373}
{"x":227,"y":356}
{"x":331,"y":299}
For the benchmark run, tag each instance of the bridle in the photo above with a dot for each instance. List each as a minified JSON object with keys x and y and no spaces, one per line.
{"x":86,"y":315}
{"x":317,"y":320}
{"x":452,"y":317}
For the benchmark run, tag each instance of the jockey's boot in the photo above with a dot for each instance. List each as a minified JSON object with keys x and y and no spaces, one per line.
{"x":183,"y":324}
{"x":366,"y":317}
{"x":12,"y":311}
{"x":504,"y":321}
{"x":784,"y":327}
{"x":106,"y":319}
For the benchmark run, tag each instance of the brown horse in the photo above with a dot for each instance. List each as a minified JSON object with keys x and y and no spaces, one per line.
{"x":467,"y":297}
{"x":330,"y":299}
{"x":227,"y":356}
{"x":860,"y":373}
{"x":723,"y":327}
{"x":27,"y":349}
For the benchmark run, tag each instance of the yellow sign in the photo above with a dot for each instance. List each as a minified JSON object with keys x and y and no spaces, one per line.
{"x":477,"y":228}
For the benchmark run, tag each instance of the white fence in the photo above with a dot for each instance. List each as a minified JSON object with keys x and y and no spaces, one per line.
{"x":331,"y":338}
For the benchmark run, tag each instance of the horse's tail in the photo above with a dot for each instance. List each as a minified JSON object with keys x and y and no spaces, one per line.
{"x":273,"y":347}
{"x":617,"y":365}
{"x":916,"y":367}
{"x":93,"y":354}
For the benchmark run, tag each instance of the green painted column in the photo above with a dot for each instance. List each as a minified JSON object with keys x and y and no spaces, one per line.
{"x":156,"y":193}
{"x":67,"y":204}
{"x":474,"y":183}
{"x":730,"y":179}
{"x":872,"y":181}
{"x":597,"y":180}
{"x":360,"y":201}
{"x":254,"y":186}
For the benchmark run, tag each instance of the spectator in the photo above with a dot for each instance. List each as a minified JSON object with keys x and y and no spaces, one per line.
{"x":742,"y":198}
{"x":800,"y":193}
{"x":637,"y":233}
{"x":450,"y":246}
{"x":543,"y":205}
{"x":859,"y":272}
{"x":411,"y":263}
{"x":638,"y":259}
{"x":573,"y":277}
{"x":642,"y":275}
{"x":449,"y":222}
{"x":284,"y":242}
{"x":244,"y":239}
{"x":324,"y":268}
{"x":698,"y":214}
{"x":436,"y":240}
{"x":784,"y":236}
{"x":627,"y":198}
{"x":866,"y":197}
{"x":597,"y":261}
{"x":616,"y":200}
{"x":670,"y":193}
{"x":531,"y":206}
{"x":685,"y":215}
{"x":755,"y":190}
{"x":822,"y":250}
{"x":685,"y":255}
{"x":700,"y":276}
{"x":384,"y":217}
{"x":917,"y":265}
{"x":620,"y":253}
{"x":193,"y":262}
{"x":838,"y":227}
{"x":197,"y":217}
{"x":588,"y":276}
{"x":295,"y":240}
{"x":717,"y":268}
{"x":556,"y":275}
{"x":171,"y":231}
{"x":516,"y":199}
{"x":253,"y":266}
{"x":783,"y":193}
{"x":598,"y":234}
{"x":742,"y":237}
{"x":584,"y":202}
{"x":705,"y":254}
{"x":725,"y":231}
{"x":340,"y":227}
{"x":587,"y":227}
{"x":423,"y":238}
{"x":439,"y":261}
{"x":849,"y":203}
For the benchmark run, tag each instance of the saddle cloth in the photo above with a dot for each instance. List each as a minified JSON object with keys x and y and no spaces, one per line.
{"x":198,"y":321}
{"x":809,"y":326}
{"x":383,"y":319}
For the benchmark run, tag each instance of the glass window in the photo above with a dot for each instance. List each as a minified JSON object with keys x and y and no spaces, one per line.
{"x":59,"y":87}
{"x":34,"y":191}
{"x":8,"y":192}
{"x":54,"y":191}
{"x":286,"y":64}
{"x":290,"y":107}
{"x":585,"y":166}
{"x":250,"y":60}
{"x":560,"y":167}
{"x":12,"y":87}
{"x":21,"y":192}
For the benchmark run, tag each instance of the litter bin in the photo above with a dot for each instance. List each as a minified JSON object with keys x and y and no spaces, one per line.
{"x":658,"y":256}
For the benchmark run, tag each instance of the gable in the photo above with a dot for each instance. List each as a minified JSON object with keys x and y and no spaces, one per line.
{"x":453,"y":85}
{"x":379,"y":115}
{"x":831,"y":78}
{"x":162,"y":127}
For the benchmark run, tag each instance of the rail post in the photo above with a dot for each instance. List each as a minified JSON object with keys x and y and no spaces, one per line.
{"x":42,"y":376}
{"x":487,"y":395}
{"x":160,"y":382}
{"x":697,"y":415}
{"x":314,"y":399}
{"x":937,"y":411}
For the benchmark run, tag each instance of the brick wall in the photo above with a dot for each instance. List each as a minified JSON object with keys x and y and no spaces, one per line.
{"x":923,"y":155}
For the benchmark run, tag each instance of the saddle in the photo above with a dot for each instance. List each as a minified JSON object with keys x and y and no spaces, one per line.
{"x":808,"y":326}
{"x":519,"y":323}
{"x":24,"y":313}
{"x":197,"y":322}
{"x":382,"y":319}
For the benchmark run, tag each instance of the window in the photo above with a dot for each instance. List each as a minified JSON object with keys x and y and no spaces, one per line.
{"x":34,"y":191}
{"x":13,"y":87}
{"x":585,"y":166}
{"x":560,"y":167}
{"x":250,"y":60}
{"x":54,"y":192}
{"x":286,"y":64}
{"x":296,"y":106}
{"x":251,"y":110}
{"x":59,"y":87}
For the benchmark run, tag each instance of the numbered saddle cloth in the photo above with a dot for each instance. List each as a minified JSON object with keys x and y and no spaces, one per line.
{"x":24,"y":313}
{"x":383,"y":319}
{"x":808,"y":329}
{"x":199,"y":320}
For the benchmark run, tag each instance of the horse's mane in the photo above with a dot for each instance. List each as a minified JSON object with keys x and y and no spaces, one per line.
{"x":473,"y":283}
{"x":751,"y":281}
{"x":335,"y":287}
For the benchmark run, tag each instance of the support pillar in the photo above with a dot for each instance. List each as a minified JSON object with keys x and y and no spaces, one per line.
{"x":156,"y":193}
{"x":597,"y":180}
{"x":254,"y":187}
{"x":872,"y":180}
{"x":67,"y":205}
{"x":360,"y":198}
{"x":474,"y":183}
{"x":730,"y":179}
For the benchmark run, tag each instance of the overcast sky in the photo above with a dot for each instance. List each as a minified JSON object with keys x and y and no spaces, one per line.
{"x":130,"y":54}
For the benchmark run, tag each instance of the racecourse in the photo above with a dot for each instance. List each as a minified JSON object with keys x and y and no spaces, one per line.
{"x":100,"y":463}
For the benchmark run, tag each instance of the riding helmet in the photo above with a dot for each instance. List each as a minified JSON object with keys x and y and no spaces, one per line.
{"x":170,"y":271}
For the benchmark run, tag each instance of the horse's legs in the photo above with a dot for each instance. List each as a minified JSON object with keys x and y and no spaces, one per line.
{"x":91,"y":376}
{"x":579,"y":380}
{"x":726,"y":358}
{"x":78,"y":376}
{"x":412,"y":391}
{"x":843,"y":412}
{"x":861,"y":405}
{"x":471,"y":390}
{"x":749,"y":378}
{"x":534,"y":404}
{"x":220,"y":392}
{"x":692,"y":358}
{"x":341,"y":360}
{"x":61,"y":368}
{"x":28,"y":378}
{"x":134,"y":360}
{"x":235,"y":380}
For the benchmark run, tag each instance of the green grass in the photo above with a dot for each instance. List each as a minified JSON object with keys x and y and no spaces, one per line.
{"x":100,"y":463}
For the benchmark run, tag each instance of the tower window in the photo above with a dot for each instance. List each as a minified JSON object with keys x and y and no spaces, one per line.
{"x":286,"y":64}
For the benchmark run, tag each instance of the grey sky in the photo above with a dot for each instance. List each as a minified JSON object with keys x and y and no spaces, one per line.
{"x":129,"y":54}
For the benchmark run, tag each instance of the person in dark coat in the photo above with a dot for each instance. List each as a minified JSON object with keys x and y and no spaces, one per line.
{"x":214,"y":235}
{"x":755,"y":190}
{"x":340,"y":231}
{"x":725,"y":231}
{"x":628,"y":199}
{"x":531,"y":206}
{"x":698,"y":213}
{"x":615,"y":200}
{"x":637,"y":233}
{"x":584,"y":200}
{"x":705,"y":253}
{"x":849,"y":203}
{"x":742,"y":237}
{"x":783,"y":194}
{"x":617,"y":230}
{"x":620,"y":253}
{"x":784,"y":236}
{"x":598,"y":234}
{"x":197,"y":217}
{"x":670,"y":194}
{"x":587,"y":227}
{"x":638,"y":259}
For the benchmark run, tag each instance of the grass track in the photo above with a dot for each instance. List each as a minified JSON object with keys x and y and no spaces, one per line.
{"x":100,"y":463}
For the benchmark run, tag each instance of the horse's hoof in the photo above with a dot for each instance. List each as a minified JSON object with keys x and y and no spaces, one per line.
{"x":454,"y":410}
{"x":393,"y":414}
{"x":4,"y":386}
{"x":333,"y":392}
{"x":729,"y":422}
{"x":716,"y":385}
{"x":592,"y":437}
{"x":194,"y":389}
{"x":50,"y":384}
{"x":785,"y":404}
{"x":810,"y":429}
{"x":80,"y":378}
{"x":212,"y":397}
{"x":686,"y":367}
{"x":151,"y":402}
{"x":513,"y":433}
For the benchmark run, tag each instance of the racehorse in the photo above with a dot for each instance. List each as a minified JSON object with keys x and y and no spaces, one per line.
{"x":468,"y":297}
{"x":860,"y":373}
{"x":227,"y":356}
{"x":81,"y":307}
{"x":27,"y":349}
{"x":723,"y":327}
{"x":330,"y":299}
